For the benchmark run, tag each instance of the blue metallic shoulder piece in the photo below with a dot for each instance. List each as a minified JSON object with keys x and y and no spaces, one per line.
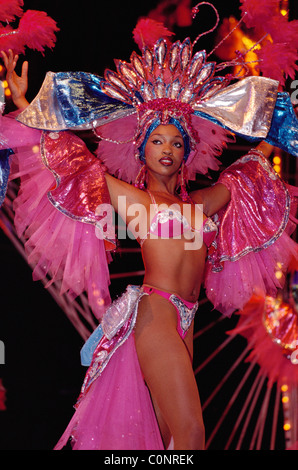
{"x":83,"y":101}
{"x":72,"y":100}
{"x":283,"y":132}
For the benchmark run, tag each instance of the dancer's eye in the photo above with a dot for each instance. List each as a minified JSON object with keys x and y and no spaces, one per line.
{"x":178,"y":145}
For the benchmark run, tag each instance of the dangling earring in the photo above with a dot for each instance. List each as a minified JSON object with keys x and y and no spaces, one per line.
{"x":182,"y":181}
{"x":141,"y":178}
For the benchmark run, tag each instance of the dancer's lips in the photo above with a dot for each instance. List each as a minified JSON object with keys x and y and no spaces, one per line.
{"x":166,"y":161}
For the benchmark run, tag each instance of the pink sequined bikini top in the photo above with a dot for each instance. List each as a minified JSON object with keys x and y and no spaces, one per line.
{"x":170,"y":223}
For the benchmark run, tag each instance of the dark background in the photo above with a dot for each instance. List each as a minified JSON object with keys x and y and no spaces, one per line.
{"x":42,"y":372}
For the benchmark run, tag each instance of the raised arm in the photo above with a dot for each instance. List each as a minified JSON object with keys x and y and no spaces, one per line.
{"x":217,"y":196}
{"x":213,"y":198}
{"x":18,"y":85}
{"x":126,"y":199}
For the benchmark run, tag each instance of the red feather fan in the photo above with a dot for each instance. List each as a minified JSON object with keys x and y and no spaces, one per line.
{"x":36,"y":29}
{"x":281,"y":44}
{"x":10,"y":9}
{"x":148,"y":31}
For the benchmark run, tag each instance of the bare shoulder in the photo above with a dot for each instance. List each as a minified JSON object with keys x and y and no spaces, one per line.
{"x":265,"y":148}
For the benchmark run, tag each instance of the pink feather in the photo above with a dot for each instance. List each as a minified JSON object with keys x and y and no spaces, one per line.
{"x":281,"y":54}
{"x":283,"y":31}
{"x":265,"y":18}
{"x":10,"y":9}
{"x":148,"y":31}
{"x":38,"y":30}
{"x":117,"y":158}
{"x":9,"y":39}
{"x":258,"y":12}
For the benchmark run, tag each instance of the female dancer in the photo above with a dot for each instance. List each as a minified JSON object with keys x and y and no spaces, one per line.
{"x":152,"y":326}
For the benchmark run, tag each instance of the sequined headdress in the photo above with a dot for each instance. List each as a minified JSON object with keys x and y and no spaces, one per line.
{"x":168,"y":82}
{"x":162,"y":86}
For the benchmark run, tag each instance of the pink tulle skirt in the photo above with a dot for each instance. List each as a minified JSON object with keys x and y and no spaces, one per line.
{"x":117,"y":412}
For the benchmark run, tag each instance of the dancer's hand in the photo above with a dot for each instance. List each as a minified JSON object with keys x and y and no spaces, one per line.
{"x":18,"y":85}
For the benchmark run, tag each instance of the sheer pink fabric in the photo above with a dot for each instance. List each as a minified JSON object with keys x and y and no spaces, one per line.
{"x":117,"y":412}
{"x":253,"y":241}
{"x":59,"y":247}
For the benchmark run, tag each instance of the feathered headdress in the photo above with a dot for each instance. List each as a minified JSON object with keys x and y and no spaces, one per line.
{"x":36,"y":29}
{"x":167,"y":83}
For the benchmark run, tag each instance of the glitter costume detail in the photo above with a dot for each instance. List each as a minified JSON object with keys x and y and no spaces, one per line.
{"x":171,"y":223}
{"x":117,"y":412}
{"x":253,"y":234}
{"x":161,"y":85}
{"x":4,"y":172}
{"x":117,"y":325}
{"x":185,"y":310}
{"x":186,"y":313}
{"x":62,"y":186}
{"x":61,"y":247}
{"x":81,"y":189}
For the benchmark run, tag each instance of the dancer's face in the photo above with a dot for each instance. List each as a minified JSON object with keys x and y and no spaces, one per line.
{"x":164,"y":150}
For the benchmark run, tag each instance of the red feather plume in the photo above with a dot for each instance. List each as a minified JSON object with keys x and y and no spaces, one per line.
{"x":259,"y":11}
{"x":148,"y":31}
{"x":279,"y":51}
{"x":272,"y":54}
{"x":36,"y":29}
{"x":10,"y":9}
